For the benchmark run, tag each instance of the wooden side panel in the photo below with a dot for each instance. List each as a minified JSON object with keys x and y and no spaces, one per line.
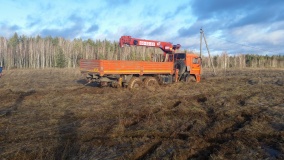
{"x":125,"y":67}
{"x":120,"y":67}
{"x":89,"y":65}
{"x":157,"y":67}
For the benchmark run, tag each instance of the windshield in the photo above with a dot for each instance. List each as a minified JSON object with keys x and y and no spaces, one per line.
{"x":179,"y":56}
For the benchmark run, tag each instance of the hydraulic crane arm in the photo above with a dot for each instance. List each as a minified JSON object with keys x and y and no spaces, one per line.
{"x":167,"y":47}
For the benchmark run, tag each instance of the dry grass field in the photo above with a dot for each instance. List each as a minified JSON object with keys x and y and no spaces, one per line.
{"x":50,"y":114}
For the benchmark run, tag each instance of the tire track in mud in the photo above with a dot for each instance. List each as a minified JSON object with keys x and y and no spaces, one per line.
{"x":215,"y":135}
{"x":148,"y":149}
{"x":177,"y":134}
{"x":140,"y":118}
{"x":160,"y":138}
{"x":145,"y":150}
{"x":208,"y":142}
{"x":201,"y":146}
{"x":17,"y":103}
{"x":212,"y":136}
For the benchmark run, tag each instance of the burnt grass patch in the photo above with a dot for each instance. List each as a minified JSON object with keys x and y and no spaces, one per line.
{"x":237,"y":114}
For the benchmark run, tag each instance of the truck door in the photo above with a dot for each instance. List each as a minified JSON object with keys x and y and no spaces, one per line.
{"x":195,"y":65}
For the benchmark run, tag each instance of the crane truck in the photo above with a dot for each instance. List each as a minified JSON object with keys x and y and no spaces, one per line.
{"x":133,"y":74}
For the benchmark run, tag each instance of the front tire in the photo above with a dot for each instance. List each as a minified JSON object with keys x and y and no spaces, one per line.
{"x":134,"y":83}
{"x":151,"y":83}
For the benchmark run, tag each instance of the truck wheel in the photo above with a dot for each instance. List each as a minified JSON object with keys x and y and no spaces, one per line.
{"x":134,"y":83}
{"x":151,"y":83}
{"x":115,"y":84}
{"x":104,"y":84}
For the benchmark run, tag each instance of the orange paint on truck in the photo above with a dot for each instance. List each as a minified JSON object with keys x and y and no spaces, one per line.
{"x":103,"y":67}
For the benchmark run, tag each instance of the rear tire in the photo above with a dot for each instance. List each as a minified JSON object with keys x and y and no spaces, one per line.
{"x":151,"y":83}
{"x":134,"y":83}
{"x":104,"y":84}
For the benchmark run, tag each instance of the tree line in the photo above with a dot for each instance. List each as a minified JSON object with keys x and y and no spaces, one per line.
{"x":39,"y":52}
{"x":224,"y":60}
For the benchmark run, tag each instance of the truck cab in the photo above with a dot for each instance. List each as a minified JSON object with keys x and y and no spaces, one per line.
{"x":189,"y":66}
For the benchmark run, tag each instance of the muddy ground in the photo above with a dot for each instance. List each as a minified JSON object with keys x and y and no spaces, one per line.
{"x":50,"y":114}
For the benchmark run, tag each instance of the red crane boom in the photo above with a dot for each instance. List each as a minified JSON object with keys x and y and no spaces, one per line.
{"x":167,"y":47}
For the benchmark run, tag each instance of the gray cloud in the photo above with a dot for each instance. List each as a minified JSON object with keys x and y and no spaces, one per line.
{"x":77,"y":26}
{"x":160,"y":30}
{"x":46,"y":7}
{"x":149,"y":10}
{"x":14,"y":27}
{"x":75,"y":18}
{"x":93,"y":28}
{"x":71,"y":27}
{"x":253,"y":11}
{"x":192,"y":30}
{"x":219,"y":8}
{"x":179,"y":10}
{"x":33,"y":21}
{"x":8,"y":30}
{"x":115,"y":3}
{"x":138,"y":31}
{"x":69,"y":32}
{"x":210,"y":26}
{"x":251,"y":22}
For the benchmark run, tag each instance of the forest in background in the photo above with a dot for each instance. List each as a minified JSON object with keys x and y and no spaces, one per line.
{"x":39,"y":52}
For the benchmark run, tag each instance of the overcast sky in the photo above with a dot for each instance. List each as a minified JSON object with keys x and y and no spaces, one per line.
{"x":232,"y":26}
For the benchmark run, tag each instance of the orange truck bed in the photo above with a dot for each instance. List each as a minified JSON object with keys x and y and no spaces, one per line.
{"x":104,"y":67}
